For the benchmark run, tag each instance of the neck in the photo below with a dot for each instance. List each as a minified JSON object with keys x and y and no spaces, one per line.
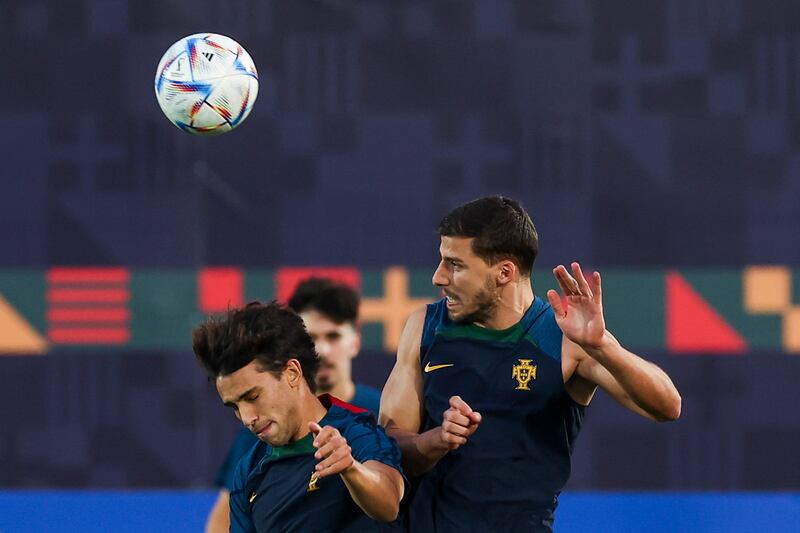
{"x":513,"y":301}
{"x":311,"y":409}
{"x":344,"y":391}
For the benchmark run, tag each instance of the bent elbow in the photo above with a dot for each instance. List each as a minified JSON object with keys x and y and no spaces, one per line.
{"x":673,"y":410}
{"x":389,"y":514}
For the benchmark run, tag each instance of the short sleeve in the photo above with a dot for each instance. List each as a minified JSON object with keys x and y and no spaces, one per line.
{"x":369,"y":441}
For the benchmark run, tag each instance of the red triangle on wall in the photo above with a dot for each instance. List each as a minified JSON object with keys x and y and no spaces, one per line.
{"x":693,"y":325}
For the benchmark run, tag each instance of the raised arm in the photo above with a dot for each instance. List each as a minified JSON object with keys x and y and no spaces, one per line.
{"x":375,"y":487}
{"x":402,"y":408}
{"x":601,"y":360}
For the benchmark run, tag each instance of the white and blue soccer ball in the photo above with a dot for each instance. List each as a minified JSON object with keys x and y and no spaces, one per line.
{"x":206,"y":84}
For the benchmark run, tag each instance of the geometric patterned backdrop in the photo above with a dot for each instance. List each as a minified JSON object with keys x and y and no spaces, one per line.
{"x":648,"y":138}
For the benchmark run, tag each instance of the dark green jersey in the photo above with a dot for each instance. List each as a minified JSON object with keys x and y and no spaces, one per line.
{"x":508,"y":476}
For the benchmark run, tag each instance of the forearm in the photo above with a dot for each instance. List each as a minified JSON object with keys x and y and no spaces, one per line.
{"x":421,"y":452}
{"x":372,"y":488}
{"x":646,"y":384}
{"x":219,"y":520}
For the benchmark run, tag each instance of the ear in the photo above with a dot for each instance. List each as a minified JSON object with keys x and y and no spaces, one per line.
{"x":506,"y":272}
{"x":293,"y":373}
{"x":357,"y":340}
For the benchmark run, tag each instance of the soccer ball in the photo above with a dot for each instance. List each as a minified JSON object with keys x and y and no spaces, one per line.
{"x":206,"y":84}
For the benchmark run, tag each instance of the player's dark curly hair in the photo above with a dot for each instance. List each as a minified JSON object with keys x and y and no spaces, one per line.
{"x":500,"y":227}
{"x":267,"y":333}
{"x":336,"y":301}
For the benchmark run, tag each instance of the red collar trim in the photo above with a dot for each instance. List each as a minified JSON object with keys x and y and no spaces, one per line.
{"x":327,"y":400}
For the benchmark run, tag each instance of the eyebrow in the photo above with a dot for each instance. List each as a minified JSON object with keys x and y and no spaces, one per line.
{"x":241,"y":397}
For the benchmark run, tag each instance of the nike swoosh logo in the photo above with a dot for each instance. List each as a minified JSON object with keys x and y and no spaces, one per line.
{"x":430,"y":368}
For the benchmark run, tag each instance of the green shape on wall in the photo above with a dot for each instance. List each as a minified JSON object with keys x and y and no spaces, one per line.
{"x":25,"y":291}
{"x":164,"y":309}
{"x":723,"y":291}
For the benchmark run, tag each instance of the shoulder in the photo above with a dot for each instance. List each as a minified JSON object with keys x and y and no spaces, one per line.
{"x":356,"y":425}
{"x":242,"y":443}
{"x":249,"y":461}
{"x":367,"y":397}
{"x":368,"y":441}
{"x":242,"y":481}
{"x":411,"y":338}
{"x":431,"y":318}
{"x":544,"y":330}
{"x":416,"y":320}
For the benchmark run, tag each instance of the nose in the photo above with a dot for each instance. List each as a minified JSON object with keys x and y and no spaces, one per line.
{"x":248,"y":416}
{"x":440,"y":278}
{"x":323,"y":348}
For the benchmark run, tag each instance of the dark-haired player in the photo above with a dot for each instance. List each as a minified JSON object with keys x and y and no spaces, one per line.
{"x":488,"y":392}
{"x":321,"y":464}
{"x":330,"y":313}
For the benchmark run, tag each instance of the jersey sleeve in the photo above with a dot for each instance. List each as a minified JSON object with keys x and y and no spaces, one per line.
{"x":242,"y":443}
{"x":369,"y":442}
{"x":241,"y":520}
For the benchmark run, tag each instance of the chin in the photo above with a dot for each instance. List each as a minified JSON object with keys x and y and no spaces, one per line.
{"x":459,"y":316}
{"x":275,"y":442}
{"x":471,"y":316}
{"x":460,"y":310}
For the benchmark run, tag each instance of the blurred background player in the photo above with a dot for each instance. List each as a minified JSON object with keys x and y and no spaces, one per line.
{"x":319,"y":464}
{"x":330,"y":313}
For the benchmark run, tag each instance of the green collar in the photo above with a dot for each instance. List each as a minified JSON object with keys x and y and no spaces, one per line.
{"x":300,"y":447}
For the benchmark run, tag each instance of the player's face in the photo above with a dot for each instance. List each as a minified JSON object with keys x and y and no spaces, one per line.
{"x":267,"y":405}
{"x":336,"y":345}
{"x":467,"y":280}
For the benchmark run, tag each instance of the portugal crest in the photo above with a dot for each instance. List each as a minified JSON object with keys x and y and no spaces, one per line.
{"x":312,"y":483}
{"x":523,"y":373}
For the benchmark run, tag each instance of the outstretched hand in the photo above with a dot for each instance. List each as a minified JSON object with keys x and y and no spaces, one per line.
{"x":581,"y":319}
{"x":333,"y":453}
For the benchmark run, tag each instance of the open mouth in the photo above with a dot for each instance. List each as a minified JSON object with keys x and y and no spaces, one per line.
{"x":451,"y":301}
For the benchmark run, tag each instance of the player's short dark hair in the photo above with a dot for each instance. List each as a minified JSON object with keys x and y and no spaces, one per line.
{"x":337,"y":301}
{"x":500,"y":227}
{"x":267,"y":333}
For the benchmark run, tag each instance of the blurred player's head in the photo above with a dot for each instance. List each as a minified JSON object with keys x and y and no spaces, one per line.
{"x":264,"y":366}
{"x":330,"y":312}
{"x":485,"y":244}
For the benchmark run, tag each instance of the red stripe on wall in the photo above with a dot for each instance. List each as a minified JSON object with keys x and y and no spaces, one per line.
{"x":112,"y":314}
{"x":89,"y":335}
{"x":88,"y":275}
{"x":88,"y":295}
